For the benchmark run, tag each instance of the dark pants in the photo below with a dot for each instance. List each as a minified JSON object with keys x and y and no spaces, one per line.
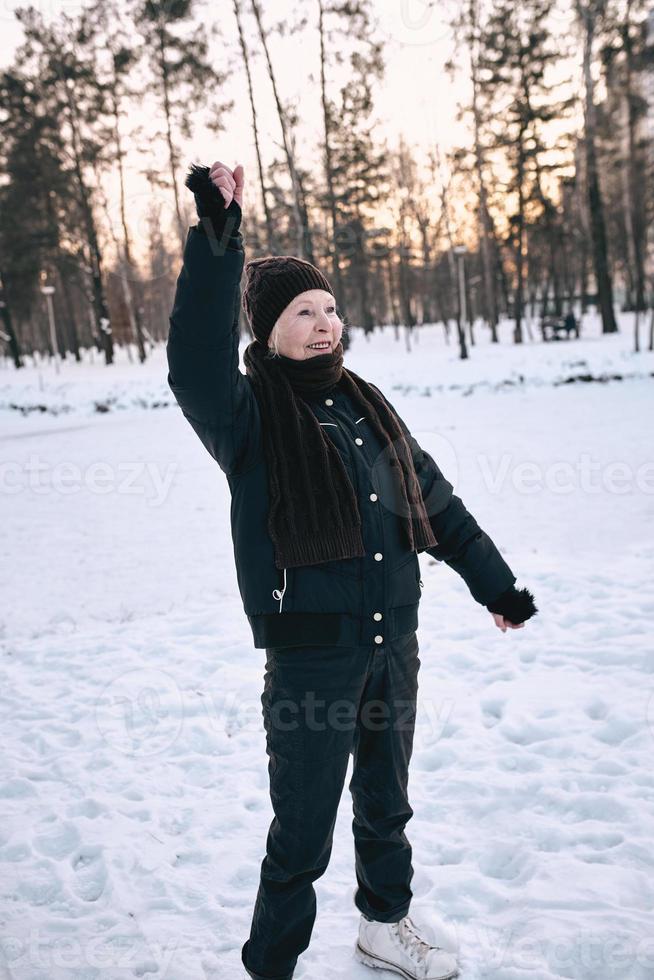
{"x":319,"y":705}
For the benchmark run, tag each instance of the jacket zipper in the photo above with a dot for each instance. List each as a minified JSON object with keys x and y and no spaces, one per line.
{"x":279,"y":594}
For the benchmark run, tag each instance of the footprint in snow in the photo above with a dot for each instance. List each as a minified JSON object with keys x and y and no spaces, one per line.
{"x":56,"y":840}
{"x":493,"y":709}
{"x":617,"y":730}
{"x":520,"y":763}
{"x":597,"y":710}
{"x":504,"y":861}
{"x":89,"y":808}
{"x":90,"y":873}
{"x":600,"y":841}
{"x":526,"y":732}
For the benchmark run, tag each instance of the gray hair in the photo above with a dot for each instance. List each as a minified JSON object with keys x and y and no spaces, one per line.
{"x":274,"y":350}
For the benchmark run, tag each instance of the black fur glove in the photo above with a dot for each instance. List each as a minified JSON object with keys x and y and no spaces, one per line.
{"x":516,"y":605}
{"x":210,"y":204}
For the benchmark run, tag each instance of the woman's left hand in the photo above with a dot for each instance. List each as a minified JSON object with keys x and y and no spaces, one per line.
{"x":503,"y":623}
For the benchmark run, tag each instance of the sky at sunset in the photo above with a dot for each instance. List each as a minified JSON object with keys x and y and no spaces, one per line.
{"x":417,"y":98}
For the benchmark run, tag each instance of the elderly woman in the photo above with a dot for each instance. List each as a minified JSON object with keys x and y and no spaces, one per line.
{"x":332,"y":499}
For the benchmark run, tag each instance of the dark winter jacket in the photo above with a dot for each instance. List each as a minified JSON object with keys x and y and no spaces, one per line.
{"x":346,"y":602}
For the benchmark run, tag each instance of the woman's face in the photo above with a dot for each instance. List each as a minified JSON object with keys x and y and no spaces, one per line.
{"x":310,"y":319}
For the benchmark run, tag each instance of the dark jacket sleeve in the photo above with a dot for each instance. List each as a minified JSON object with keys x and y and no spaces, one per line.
{"x":202,"y":349}
{"x":462,"y":543}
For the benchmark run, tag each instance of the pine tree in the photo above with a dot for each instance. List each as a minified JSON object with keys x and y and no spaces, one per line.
{"x":516,"y":51}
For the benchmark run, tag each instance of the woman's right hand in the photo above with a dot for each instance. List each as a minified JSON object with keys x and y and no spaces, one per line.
{"x":229,"y":182}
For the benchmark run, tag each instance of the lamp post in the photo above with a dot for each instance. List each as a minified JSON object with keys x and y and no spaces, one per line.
{"x":48,"y":293}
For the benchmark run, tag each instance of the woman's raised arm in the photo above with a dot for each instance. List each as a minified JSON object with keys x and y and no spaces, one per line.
{"x":203,"y":339}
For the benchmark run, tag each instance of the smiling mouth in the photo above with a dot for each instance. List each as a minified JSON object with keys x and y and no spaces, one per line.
{"x":320,"y":345}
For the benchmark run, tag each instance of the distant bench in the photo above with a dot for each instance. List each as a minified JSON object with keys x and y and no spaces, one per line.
{"x":553,"y":328}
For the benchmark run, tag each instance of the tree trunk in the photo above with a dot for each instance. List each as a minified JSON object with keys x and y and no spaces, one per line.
{"x":634,"y":229}
{"x":490,"y":291}
{"x":595,"y":204}
{"x":271,"y":237}
{"x":329,"y":175}
{"x":12,"y":339}
{"x":518,"y":299}
{"x":172,"y":152}
{"x":303,"y":230}
{"x":100,"y":309}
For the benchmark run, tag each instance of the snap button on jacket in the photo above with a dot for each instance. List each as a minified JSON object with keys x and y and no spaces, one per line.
{"x":339,"y":603}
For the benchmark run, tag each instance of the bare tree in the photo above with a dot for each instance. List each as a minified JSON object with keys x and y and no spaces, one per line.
{"x":271,"y":237}
{"x":343,"y":25}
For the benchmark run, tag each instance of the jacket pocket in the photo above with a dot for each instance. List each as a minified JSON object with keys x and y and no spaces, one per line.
{"x":406,"y":560}
{"x":349,"y":568}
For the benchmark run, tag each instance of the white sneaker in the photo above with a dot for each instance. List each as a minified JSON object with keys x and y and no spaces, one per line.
{"x":398,"y":946}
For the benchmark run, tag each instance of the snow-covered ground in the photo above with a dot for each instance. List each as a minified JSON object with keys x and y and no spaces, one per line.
{"x":134,"y":789}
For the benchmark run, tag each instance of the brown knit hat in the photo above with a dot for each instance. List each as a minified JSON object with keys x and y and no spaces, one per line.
{"x":271,"y":282}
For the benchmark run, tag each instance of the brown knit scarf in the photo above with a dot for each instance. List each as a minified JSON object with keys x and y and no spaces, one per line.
{"x":314,"y":515}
